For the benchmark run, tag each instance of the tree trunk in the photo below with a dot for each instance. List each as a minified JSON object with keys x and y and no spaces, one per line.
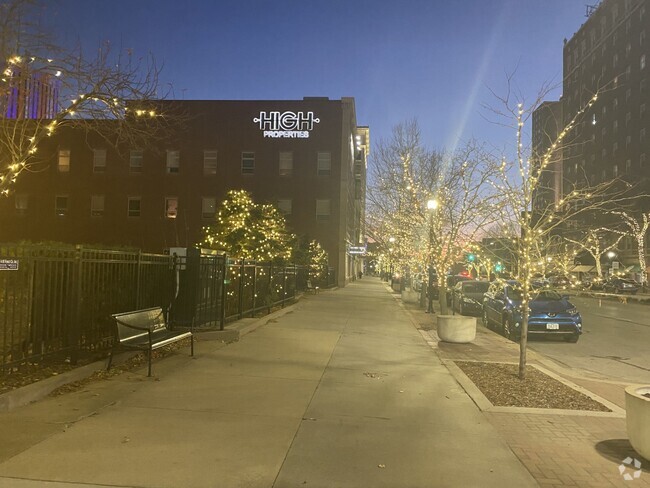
{"x":523,"y":342}
{"x":641,"y":244}
{"x":442,"y":296}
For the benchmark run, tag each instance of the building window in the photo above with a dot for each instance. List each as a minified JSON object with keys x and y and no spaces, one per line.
{"x":99,"y":160}
{"x":324,"y":164}
{"x":173,"y":161}
{"x":134,"y":206}
{"x":615,"y":126}
{"x":285,"y":206}
{"x":642,"y":61}
{"x":247,"y":163}
{"x":628,"y":165}
{"x":21,"y":204}
{"x":210,"y":162}
{"x":323,"y":209}
{"x":642,"y":136}
{"x":97,"y":205}
{"x":171,"y":207}
{"x":286,"y":163}
{"x":642,"y":110}
{"x":642,"y":37}
{"x":642,"y":160}
{"x":603,"y":175}
{"x":615,"y":171}
{"x":628,"y":141}
{"x":135,"y":160}
{"x":615,"y":149}
{"x":628,"y":118}
{"x":615,"y":60}
{"x":208,"y":207}
{"x":64,"y":161}
{"x":61,"y":205}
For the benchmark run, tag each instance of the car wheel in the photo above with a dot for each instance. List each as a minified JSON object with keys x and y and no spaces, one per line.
{"x":573,"y":338}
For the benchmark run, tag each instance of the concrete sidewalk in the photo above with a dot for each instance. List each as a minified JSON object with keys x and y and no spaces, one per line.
{"x":577,"y":449}
{"x":341,"y":391}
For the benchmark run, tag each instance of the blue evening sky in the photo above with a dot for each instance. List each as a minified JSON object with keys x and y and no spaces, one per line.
{"x":433,"y":60}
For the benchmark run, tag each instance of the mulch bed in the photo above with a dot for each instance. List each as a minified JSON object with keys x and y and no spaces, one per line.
{"x":500,"y":383}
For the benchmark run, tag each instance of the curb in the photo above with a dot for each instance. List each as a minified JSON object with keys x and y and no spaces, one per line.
{"x":36,"y":391}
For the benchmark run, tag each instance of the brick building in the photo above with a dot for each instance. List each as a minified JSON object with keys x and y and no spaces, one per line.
{"x":306,"y":156}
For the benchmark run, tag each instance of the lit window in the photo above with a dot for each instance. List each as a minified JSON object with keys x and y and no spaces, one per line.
{"x":286,"y":163}
{"x":99,"y":160}
{"x":21,"y":204}
{"x":248,"y":163}
{"x":642,"y":62}
{"x":61,"y":205}
{"x":171,"y":207}
{"x":323,"y":209}
{"x":173,"y":161}
{"x":208,"y":207}
{"x":135,"y":160}
{"x":134,"y":207}
{"x":285,"y":206}
{"x":209,"y":162}
{"x":64,"y":161}
{"x":324,"y":164}
{"x":97,"y":205}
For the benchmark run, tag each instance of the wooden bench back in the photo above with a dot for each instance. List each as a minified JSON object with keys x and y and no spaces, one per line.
{"x":140,"y":322}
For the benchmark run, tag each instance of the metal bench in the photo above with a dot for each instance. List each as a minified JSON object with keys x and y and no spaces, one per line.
{"x":311,"y":288}
{"x":145,"y":330}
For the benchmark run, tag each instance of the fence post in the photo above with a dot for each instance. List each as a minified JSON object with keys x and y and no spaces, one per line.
{"x":137,"y":279}
{"x":224,"y":269}
{"x":254,"y":289}
{"x":270,"y":295}
{"x":284,"y":284}
{"x":76,"y":328}
{"x":241,"y":289}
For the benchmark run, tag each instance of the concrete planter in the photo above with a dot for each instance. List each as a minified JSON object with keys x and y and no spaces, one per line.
{"x":637,"y":415}
{"x":410,"y":296}
{"x":456,"y":328}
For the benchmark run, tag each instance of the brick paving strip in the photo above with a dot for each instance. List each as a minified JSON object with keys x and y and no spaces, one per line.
{"x":558,"y":447}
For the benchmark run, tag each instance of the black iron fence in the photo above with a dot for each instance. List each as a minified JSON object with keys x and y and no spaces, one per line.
{"x":59,"y":300}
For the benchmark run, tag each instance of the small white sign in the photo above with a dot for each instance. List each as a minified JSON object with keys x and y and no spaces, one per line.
{"x":8,"y":265}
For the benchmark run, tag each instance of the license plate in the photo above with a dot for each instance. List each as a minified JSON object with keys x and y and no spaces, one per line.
{"x":552,"y":326}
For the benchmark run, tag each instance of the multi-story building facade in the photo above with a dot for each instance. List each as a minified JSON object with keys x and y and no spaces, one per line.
{"x":609,"y":56}
{"x":547,"y":123}
{"x":306,"y":156}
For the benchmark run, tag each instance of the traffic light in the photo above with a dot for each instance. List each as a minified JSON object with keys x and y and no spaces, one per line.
{"x":498,"y":267}
{"x":471,"y":257}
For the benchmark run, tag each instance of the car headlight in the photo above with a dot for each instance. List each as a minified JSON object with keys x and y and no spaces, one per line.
{"x":572,"y":311}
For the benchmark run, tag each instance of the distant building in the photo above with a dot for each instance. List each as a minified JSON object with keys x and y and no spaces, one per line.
{"x":611,"y":53}
{"x":306,"y":156}
{"x":29,"y":95}
{"x":547,"y":124}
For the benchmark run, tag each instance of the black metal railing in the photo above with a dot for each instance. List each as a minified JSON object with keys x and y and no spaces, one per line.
{"x":59,"y":300}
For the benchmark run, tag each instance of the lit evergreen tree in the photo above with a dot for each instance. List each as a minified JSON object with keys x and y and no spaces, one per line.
{"x":317,"y":261}
{"x":246,"y":230}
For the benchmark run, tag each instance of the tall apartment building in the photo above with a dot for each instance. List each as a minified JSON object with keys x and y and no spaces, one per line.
{"x":547,"y":124}
{"x":306,"y":156}
{"x":608,"y":55}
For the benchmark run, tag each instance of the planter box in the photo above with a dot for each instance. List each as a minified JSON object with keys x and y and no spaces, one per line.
{"x":410,"y":296}
{"x":637,"y":415}
{"x":456,"y":328}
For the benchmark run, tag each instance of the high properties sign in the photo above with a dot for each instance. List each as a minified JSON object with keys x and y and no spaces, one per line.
{"x":286,"y":124}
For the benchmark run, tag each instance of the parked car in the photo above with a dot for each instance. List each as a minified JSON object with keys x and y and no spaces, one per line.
{"x":539,"y":281}
{"x":549,"y":312}
{"x":452,"y":280}
{"x":620,"y":285}
{"x":467,"y":297}
{"x":593,"y":283}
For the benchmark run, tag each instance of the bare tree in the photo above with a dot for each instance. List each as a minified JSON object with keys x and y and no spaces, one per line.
{"x":519,"y":183}
{"x":597,"y":242}
{"x":637,"y":228}
{"x":45,"y":88}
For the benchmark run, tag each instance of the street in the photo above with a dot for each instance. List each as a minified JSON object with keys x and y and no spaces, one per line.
{"x":614,"y":343}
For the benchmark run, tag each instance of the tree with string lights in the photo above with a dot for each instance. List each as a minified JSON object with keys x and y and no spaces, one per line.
{"x":45,"y":88}
{"x":248,"y":230}
{"x":520,"y":182}
{"x":636,"y":225}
